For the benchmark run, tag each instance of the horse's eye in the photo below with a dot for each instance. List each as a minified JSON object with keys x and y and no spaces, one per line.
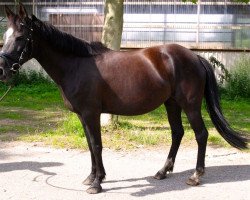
{"x":19,"y":38}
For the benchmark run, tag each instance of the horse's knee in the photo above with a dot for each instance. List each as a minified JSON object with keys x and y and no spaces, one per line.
{"x":177,"y":133}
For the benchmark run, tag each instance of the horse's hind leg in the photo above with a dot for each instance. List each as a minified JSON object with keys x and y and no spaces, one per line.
{"x":174,"y":118}
{"x":201,"y":135}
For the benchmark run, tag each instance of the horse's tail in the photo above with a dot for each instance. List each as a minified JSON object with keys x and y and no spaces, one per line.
{"x":214,"y":110}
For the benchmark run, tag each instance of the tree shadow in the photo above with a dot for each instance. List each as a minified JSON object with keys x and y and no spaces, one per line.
{"x":176,"y":181}
{"x":29,"y":165}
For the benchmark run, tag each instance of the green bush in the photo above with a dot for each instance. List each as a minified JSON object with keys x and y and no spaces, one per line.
{"x":238,"y":86}
{"x":29,"y":78}
{"x":31,"y":82}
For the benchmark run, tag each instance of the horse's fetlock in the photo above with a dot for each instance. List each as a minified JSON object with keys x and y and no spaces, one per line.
{"x":100,"y":177}
{"x":169,"y":165}
{"x":200,"y":171}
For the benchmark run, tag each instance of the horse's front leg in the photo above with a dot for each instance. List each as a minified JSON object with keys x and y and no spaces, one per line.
{"x":91,"y":124}
{"x":90,"y":179}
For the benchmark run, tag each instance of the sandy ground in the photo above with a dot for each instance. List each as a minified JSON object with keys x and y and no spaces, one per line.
{"x":29,"y":171}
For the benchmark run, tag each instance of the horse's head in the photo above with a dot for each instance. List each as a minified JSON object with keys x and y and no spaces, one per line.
{"x":17,"y":47}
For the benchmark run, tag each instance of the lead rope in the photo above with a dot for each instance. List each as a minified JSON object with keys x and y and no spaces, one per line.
{"x":4,"y":95}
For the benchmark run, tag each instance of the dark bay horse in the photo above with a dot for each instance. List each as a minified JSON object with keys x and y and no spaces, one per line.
{"x":94,"y":79}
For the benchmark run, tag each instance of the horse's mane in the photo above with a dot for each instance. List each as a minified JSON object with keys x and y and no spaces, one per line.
{"x":67,"y":43}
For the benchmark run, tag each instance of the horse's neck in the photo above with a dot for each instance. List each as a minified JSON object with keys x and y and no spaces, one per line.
{"x":51,"y":61}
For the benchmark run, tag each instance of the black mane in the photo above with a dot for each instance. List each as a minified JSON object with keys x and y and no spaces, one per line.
{"x":67,"y":43}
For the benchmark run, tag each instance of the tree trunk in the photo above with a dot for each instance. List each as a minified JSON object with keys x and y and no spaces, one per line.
{"x":111,"y":37}
{"x":113,"y":24}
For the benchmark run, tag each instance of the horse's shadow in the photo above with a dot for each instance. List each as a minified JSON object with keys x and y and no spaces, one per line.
{"x":176,"y":181}
{"x":29,"y":165}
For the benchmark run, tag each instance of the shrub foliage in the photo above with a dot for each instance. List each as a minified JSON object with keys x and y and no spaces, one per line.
{"x":238,"y":85}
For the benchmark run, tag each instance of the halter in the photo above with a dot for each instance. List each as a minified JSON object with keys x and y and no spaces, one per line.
{"x":19,"y":61}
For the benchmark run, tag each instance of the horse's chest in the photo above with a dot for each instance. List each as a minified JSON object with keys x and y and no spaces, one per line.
{"x":66,"y":101}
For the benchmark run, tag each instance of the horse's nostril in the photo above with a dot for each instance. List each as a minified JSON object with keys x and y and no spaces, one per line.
{"x":1,"y":71}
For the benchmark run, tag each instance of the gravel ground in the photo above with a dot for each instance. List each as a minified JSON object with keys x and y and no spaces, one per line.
{"x":29,"y":171}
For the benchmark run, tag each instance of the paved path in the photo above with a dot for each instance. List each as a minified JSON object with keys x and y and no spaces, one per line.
{"x":32,"y":172}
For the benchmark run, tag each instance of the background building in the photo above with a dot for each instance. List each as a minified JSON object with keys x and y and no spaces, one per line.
{"x":218,"y":27}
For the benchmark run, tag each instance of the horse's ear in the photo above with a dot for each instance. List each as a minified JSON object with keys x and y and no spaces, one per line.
{"x":9,"y":13}
{"x":22,"y":11}
{"x":33,"y":17}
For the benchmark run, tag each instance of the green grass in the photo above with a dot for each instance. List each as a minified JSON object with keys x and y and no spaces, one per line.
{"x":35,"y":97}
{"x":35,"y":113}
{"x":11,"y":115}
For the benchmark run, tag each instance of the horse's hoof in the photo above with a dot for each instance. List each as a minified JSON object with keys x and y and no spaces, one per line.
{"x":94,"y":189}
{"x":193,"y":181}
{"x":88,"y":181}
{"x":160,"y":176}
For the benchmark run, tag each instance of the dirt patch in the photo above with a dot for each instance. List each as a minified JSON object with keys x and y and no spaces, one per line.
{"x":27,"y":122}
{"x":7,"y":122}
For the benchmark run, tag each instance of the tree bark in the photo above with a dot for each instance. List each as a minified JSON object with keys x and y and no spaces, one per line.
{"x":113,"y":24}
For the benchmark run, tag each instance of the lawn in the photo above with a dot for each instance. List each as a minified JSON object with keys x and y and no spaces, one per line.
{"x":35,"y":113}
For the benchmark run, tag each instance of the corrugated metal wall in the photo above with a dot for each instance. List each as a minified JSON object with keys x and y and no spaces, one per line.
{"x":217,"y":24}
{"x":208,"y":24}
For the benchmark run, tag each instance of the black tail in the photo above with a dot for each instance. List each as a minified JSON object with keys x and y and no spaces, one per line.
{"x":214,"y":110}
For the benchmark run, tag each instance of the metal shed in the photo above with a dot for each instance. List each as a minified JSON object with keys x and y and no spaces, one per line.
{"x":209,"y":26}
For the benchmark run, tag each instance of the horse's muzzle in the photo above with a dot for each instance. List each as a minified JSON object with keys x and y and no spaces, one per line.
{"x":2,"y":74}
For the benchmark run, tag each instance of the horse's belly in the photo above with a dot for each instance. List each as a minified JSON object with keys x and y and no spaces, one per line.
{"x":134,"y":90}
{"x":137,"y":102}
